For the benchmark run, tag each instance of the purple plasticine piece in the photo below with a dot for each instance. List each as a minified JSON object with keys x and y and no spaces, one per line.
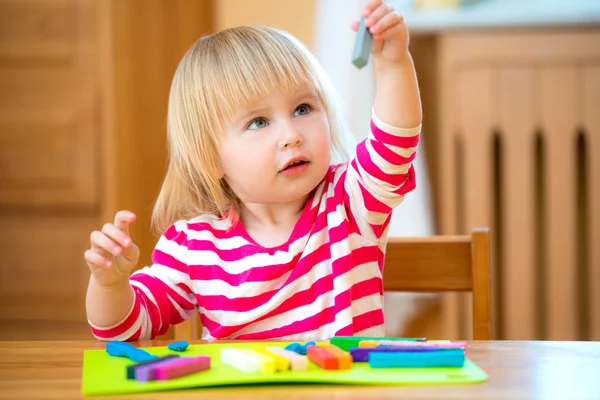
{"x":361,"y":354}
{"x":133,"y":367}
{"x":146,"y":373}
{"x":182,"y":367}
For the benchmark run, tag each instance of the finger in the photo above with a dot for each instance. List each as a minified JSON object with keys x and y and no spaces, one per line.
{"x":388,"y":33}
{"x":376,"y":15}
{"x":354,"y":25}
{"x":387,"y":21}
{"x":131,"y":253}
{"x":96,"y":259}
{"x":116,"y":234}
{"x":370,"y":6}
{"x":102,"y":243}
{"x":123,"y":219}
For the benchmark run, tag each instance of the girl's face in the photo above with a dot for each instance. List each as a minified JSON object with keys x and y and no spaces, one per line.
{"x":278,"y":149}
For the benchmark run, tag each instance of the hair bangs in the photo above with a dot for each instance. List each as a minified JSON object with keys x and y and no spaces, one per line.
{"x":250,"y":63}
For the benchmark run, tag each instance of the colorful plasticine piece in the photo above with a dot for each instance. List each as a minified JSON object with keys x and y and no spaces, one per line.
{"x":297,"y":361}
{"x":181,"y":367}
{"x":422,"y":359}
{"x":147,"y":373}
{"x":440,"y":346}
{"x":322,"y":357}
{"x":239,"y":360}
{"x":178,"y":346}
{"x":361,"y":354}
{"x":346,"y":342}
{"x":362,"y":45}
{"x":344,"y":360}
{"x":281,"y":363}
{"x":123,"y":349}
{"x":131,"y":369}
{"x":267,"y":363}
{"x":368,"y":343}
{"x":299,"y":348}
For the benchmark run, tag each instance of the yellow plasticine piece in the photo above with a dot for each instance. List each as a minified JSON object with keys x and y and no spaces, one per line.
{"x":267,"y":364}
{"x":367,"y":343}
{"x":281,"y":363}
{"x":297,"y":362}
{"x":344,"y":359}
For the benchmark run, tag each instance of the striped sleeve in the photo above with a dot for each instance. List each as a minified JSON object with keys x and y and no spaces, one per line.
{"x":162,"y":292}
{"x":379,"y":176}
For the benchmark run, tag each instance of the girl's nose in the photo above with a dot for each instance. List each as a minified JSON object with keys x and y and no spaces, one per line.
{"x":291,"y":137}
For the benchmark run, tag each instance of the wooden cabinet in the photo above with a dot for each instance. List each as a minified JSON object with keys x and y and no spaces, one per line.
{"x":516,"y":146}
{"x":83,"y":102}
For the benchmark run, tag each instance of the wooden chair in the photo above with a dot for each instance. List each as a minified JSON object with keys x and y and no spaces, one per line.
{"x":444,"y":264}
{"x":427,"y":264}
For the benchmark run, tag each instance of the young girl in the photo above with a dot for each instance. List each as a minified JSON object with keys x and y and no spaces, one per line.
{"x":261,"y":235}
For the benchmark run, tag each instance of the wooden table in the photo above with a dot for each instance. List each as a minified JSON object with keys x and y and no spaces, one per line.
{"x":518,"y":370}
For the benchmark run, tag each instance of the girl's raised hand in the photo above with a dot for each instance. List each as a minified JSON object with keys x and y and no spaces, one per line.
{"x":389,"y":31}
{"x":112,"y":255}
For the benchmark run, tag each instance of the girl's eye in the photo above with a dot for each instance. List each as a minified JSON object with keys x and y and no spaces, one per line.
{"x":258,"y":123}
{"x":302,"y":109}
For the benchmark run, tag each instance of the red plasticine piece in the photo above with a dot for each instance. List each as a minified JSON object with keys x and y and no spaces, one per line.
{"x":181,"y":367}
{"x":321,"y":357}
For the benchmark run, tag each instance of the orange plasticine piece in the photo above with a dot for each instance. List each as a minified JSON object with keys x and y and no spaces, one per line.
{"x":321,"y":357}
{"x":344,"y":360}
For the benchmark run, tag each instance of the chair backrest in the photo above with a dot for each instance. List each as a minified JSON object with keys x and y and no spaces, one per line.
{"x":427,"y":264}
{"x":444,"y":264}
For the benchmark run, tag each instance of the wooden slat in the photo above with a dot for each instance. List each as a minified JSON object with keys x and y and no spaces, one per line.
{"x":558,"y":102}
{"x":475,"y":93}
{"x":516,"y":120}
{"x":480,"y":262}
{"x":448,"y":174}
{"x":428,"y":264}
{"x":591,"y":105}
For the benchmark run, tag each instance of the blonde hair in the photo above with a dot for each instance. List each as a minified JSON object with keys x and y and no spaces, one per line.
{"x":219,"y":74}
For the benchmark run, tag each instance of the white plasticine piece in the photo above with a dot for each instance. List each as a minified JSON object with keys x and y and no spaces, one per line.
{"x":297,"y":361}
{"x":267,"y":364}
{"x":240,"y":361}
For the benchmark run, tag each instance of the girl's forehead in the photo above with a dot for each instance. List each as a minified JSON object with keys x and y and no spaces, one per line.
{"x":276,"y":95}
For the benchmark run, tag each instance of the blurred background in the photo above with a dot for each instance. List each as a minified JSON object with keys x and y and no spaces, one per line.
{"x":511,"y":140}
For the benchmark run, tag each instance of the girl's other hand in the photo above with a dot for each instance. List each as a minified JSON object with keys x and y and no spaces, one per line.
{"x":389,"y":31}
{"x":113,"y":255}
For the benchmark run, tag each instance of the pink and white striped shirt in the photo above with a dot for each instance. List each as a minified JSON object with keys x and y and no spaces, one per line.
{"x":326,"y":280}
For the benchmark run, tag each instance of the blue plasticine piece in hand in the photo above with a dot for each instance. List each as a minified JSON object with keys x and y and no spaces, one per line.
{"x":122,"y":349}
{"x":178,"y":346}
{"x":362,"y":46}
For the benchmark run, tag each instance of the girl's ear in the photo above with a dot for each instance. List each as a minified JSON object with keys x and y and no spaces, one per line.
{"x":219,"y":174}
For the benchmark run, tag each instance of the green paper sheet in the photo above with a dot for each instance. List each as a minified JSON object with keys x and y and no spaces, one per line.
{"x":104,"y":374}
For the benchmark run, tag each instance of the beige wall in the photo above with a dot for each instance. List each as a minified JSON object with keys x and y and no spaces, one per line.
{"x":294,"y":16}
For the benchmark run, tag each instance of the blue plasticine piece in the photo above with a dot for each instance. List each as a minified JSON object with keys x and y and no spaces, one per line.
{"x":362,"y":46}
{"x":426,"y":359}
{"x":178,"y":346}
{"x":299,"y":348}
{"x":293,"y":347}
{"x":122,"y":349}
